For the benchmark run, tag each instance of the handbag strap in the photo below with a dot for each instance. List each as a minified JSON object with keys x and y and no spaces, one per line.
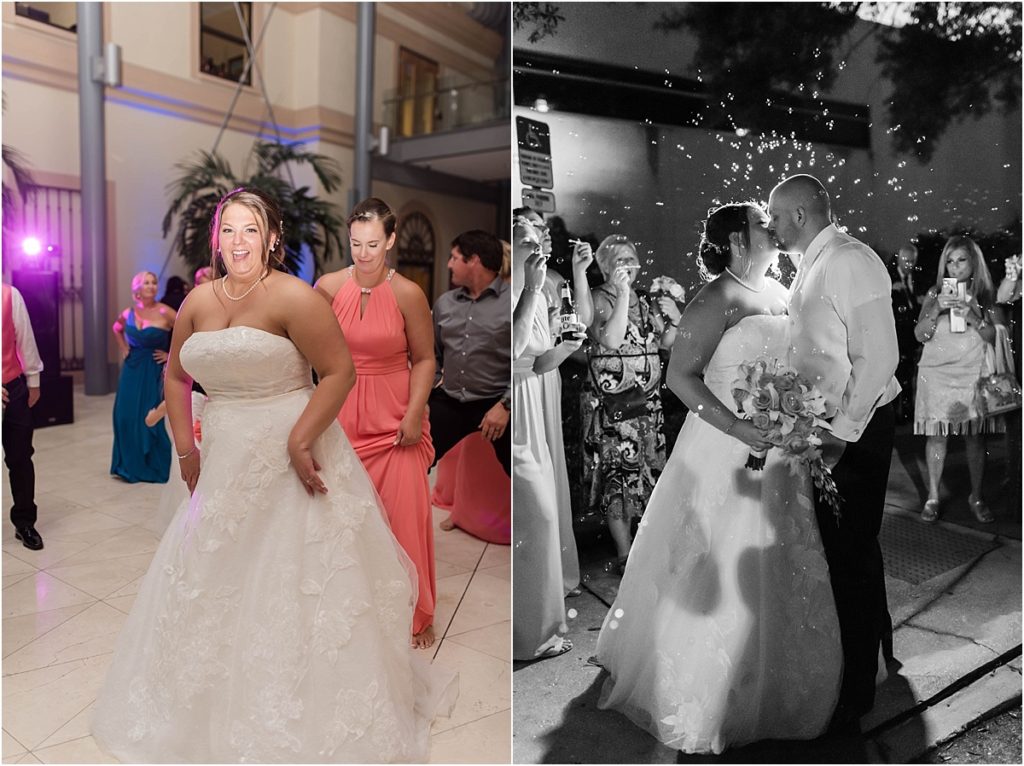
{"x":622,"y":357}
{"x":1004,"y":351}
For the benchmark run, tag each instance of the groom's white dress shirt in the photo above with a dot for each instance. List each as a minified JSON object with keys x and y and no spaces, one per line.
{"x":842,"y":334}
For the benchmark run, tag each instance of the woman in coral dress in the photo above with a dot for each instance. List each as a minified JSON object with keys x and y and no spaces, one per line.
{"x":472,"y":486}
{"x":470,"y":483}
{"x":386,"y":321}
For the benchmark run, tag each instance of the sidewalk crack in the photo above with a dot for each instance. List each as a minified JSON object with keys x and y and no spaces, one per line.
{"x":946,"y":590}
{"x":970,"y":639}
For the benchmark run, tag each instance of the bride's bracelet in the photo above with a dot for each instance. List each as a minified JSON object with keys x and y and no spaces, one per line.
{"x":189,"y":453}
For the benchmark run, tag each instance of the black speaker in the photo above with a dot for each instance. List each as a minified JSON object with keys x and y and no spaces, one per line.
{"x":41,"y":292}
{"x":56,"y":405}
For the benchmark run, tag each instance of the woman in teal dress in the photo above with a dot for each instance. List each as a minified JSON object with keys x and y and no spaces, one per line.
{"x":143,"y":333}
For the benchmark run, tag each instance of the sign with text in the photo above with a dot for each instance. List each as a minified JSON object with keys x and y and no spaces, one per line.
{"x":540,"y":200}
{"x":534,"y":153}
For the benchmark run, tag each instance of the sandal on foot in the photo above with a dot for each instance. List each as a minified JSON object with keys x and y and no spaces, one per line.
{"x":556,"y":650}
{"x":930,"y":512}
{"x":981,"y":511}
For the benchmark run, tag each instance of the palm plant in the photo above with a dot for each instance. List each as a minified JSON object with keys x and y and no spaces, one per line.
{"x":14,"y":161}
{"x":309,"y":223}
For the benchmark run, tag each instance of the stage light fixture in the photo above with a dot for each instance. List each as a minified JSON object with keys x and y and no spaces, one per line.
{"x":31,"y":246}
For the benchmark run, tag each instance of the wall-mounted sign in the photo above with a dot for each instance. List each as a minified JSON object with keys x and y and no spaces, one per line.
{"x":540,"y":200}
{"x":534,"y":153}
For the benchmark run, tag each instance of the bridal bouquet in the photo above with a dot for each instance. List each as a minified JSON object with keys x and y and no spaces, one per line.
{"x":780,"y":402}
{"x":669,"y":287}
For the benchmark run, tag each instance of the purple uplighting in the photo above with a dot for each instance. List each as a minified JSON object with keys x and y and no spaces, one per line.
{"x":31,"y":246}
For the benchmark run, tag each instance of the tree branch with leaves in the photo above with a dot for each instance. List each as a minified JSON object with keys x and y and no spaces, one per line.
{"x":945,"y":60}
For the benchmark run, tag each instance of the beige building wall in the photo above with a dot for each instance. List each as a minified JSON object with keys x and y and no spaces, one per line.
{"x":655,"y":183}
{"x":167,"y":110}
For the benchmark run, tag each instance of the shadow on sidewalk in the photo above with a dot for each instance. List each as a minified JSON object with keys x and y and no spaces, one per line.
{"x":589,"y":735}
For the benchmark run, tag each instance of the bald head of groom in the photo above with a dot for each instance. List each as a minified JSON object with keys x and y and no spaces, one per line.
{"x":799,"y":208}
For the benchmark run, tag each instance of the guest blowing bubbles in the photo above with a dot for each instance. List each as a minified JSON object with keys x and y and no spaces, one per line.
{"x":622,"y":406}
{"x":539,"y":611}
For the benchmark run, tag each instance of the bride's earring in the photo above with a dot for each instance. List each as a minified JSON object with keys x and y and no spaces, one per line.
{"x":746,"y":266}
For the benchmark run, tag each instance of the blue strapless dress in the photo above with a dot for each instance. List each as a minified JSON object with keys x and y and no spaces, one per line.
{"x":140,"y":453}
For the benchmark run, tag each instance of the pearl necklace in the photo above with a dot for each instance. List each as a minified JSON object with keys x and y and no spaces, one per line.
{"x":224,"y":287}
{"x":752,"y":289}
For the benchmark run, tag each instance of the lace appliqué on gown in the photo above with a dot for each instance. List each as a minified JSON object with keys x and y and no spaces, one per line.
{"x":724,"y":629}
{"x":271,"y":626}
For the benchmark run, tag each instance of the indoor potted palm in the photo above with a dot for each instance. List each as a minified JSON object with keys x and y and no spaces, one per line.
{"x":311,"y":225}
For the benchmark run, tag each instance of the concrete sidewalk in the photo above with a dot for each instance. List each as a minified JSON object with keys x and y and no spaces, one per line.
{"x":955,"y":598}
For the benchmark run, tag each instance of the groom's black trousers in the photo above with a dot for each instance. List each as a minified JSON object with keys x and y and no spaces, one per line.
{"x":855,"y":558}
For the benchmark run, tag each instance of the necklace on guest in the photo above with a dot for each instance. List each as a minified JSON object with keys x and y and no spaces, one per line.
{"x":388,"y":273}
{"x":752,"y":289}
{"x":224,"y":287}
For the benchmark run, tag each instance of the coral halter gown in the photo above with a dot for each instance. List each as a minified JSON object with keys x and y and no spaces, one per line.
{"x":371,"y":416}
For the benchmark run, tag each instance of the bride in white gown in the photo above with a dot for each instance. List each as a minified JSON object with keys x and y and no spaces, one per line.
{"x":273,"y":624}
{"x":724,"y":630}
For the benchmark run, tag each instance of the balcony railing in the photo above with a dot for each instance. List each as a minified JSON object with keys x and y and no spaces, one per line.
{"x":446,"y":109}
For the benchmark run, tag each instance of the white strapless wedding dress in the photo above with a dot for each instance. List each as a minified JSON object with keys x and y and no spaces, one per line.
{"x":724,"y":631}
{"x":271,"y":626}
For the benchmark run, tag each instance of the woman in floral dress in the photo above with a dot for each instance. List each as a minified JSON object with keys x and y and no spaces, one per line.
{"x":622,"y":417}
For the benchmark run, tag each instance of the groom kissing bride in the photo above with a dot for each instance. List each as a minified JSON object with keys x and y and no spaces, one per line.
{"x":742,"y":615}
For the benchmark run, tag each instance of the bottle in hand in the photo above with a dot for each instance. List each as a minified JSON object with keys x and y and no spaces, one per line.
{"x":568,"y":319}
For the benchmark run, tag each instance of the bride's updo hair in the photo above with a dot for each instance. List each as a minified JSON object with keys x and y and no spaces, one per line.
{"x":722,"y":221}
{"x":268,"y":221}
{"x":374,"y":209}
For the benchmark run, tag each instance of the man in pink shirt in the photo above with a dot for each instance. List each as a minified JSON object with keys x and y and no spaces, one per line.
{"x":843,"y":338}
{"x":21,"y":368}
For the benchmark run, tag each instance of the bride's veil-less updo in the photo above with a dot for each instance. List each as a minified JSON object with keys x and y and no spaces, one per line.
{"x":268,"y":221}
{"x":722,"y":221}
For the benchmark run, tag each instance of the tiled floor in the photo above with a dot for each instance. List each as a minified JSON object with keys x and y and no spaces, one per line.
{"x":63,"y":606}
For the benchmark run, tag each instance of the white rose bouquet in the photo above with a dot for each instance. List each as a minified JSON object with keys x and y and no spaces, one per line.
{"x":784,"y":405}
{"x":668,"y":286}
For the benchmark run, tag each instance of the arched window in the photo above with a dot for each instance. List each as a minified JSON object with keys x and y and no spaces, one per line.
{"x":415,"y":249}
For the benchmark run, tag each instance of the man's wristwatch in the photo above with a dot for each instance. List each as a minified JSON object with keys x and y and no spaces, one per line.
{"x":506,"y":404}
